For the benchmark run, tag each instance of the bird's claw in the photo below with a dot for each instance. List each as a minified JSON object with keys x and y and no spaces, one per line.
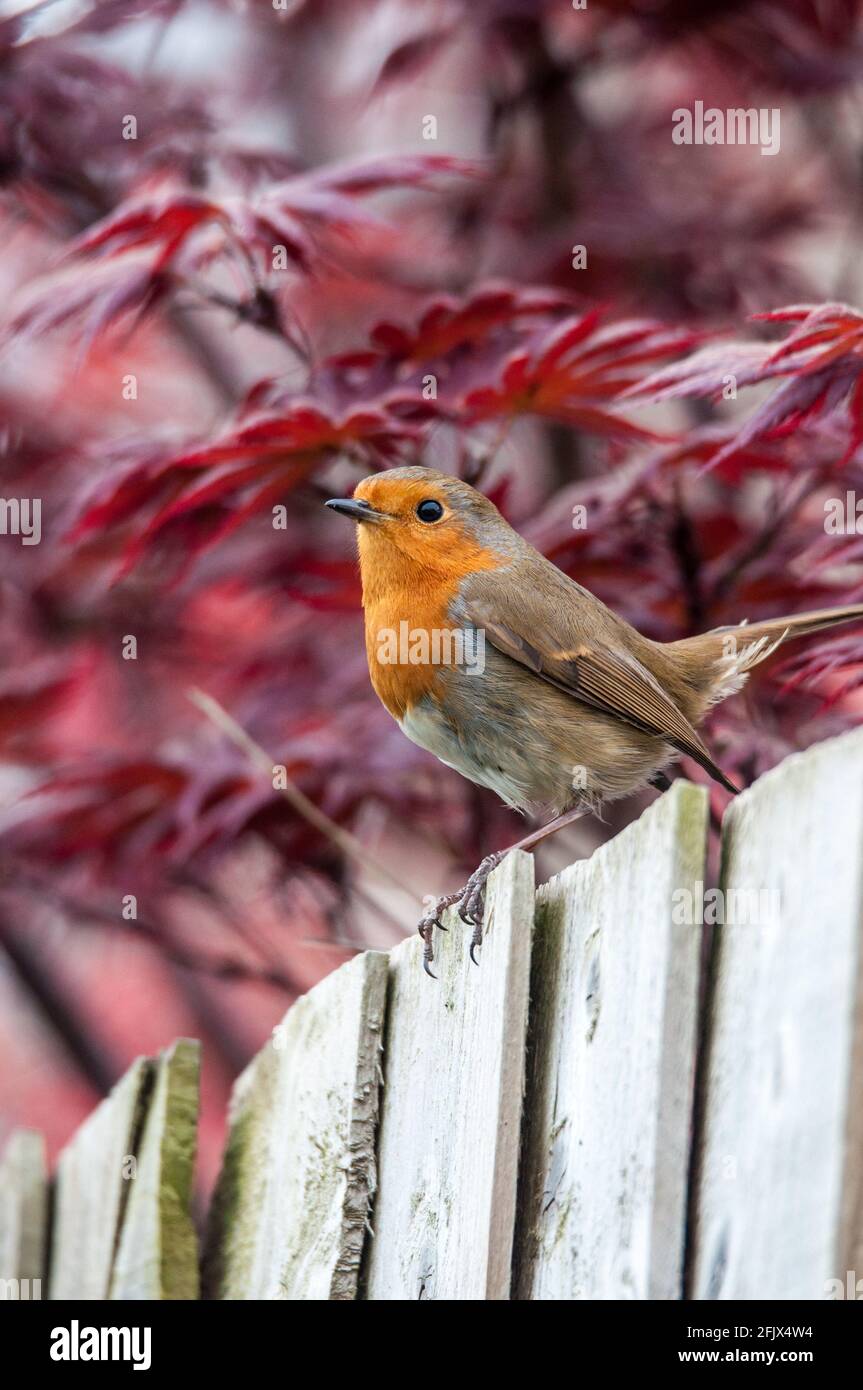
{"x":469,"y":902}
{"x":426,"y":927}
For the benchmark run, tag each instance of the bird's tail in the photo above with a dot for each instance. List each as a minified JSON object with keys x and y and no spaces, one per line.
{"x":720,"y":660}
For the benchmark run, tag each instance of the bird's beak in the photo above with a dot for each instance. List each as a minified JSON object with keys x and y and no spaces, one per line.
{"x":356,"y":509}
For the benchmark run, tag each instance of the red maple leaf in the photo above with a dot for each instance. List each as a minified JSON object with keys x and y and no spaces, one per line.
{"x":570,"y":371}
{"x":251,"y":467}
{"x":821,"y":359}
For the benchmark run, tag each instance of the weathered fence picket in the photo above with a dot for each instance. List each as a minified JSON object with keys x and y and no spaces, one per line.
{"x":292,"y":1203}
{"x":779,"y":1209}
{"x":614,"y":998}
{"x":23,"y":1216}
{"x":451,"y":1108}
{"x":534,"y":1135}
{"x":157,"y":1254}
{"x":122,"y":1227}
{"x":92,"y":1187}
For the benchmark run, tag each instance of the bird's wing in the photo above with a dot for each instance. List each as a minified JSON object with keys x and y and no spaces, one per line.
{"x":614,"y":682}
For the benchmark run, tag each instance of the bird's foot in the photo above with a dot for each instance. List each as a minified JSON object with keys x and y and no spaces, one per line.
{"x":471,"y":908}
{"x":427,"y":924}
{"x":469,"y":901}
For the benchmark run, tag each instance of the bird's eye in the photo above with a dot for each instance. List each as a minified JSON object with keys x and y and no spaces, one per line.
{"x":429,"y":510}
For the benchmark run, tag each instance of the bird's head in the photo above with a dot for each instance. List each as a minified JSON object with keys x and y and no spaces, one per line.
{"x":418,"y":518}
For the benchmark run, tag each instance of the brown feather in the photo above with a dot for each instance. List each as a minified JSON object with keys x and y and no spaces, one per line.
{"x":611,"y":681}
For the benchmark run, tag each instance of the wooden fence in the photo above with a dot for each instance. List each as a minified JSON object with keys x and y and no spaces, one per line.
{"x":584,"y":1116}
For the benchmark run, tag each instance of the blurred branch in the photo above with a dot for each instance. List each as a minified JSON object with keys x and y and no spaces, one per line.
{"x":222,"y":967}
{"x":200,"y":346}
{"x":349,"y":845}
{"x":59,"y":1009}
{"x":684,"y":543}
{"x":765,"y":538}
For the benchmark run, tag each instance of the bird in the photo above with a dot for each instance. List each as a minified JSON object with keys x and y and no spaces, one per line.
{"x":514,"y":674}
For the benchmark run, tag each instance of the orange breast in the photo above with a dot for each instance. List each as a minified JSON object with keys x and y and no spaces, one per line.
{"x":407,"y":619}
{"x":396,"y":627}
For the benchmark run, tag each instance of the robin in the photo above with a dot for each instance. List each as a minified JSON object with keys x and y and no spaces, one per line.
{"x":509,"y":671}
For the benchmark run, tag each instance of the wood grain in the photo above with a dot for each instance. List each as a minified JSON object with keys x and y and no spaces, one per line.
{"x":92,"y":1186}
{"x":157,"y":1253}
{"x":778,"y":1212}
{"x":610,"y":1076}
{"x":293,"y":1198}
{"x":451,"y":1109}
{"x":23,"y":1216}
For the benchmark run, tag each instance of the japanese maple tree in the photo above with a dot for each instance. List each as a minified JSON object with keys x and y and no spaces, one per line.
{"x":253,"y":253}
